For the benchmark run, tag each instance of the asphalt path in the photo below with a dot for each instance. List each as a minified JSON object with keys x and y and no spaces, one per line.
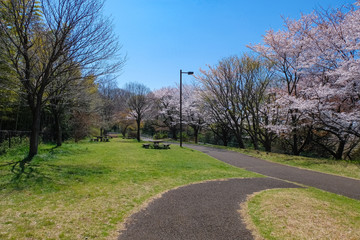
{"x":340,"y":185}
{"x":203,"y":211}
{"x":209,"y":210}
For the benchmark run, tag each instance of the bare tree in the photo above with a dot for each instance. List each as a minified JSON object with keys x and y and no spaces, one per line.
{"x":114,"y":105}
{"x":139,"y":103}
{"x":48,"y":39}
{"x":124,"y":122}
{"x":221,"y":86}
{"x":257,"y":75}
{"x":86,"y":109}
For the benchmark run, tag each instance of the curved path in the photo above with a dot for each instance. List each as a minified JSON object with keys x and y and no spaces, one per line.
{"x":203,"y":211}
{"x":210,"y":210}
{"x":340,"y":185}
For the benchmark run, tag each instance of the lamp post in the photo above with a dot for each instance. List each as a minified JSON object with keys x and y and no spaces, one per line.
{"x":181,"y":73}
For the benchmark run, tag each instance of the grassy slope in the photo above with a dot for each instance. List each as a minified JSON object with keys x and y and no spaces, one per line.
{"x":85,"y":190}
{"x":304,"y":214}
{"x":341,"y":168}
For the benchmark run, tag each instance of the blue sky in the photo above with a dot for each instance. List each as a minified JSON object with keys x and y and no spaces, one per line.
{"x":160,"y":37}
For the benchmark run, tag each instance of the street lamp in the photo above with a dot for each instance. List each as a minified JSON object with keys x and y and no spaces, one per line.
{"x":181,"y":73}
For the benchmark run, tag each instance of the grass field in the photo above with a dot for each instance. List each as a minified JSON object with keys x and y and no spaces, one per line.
{"x":302,"y":214}
{"x":337,"y":167}
{"x":84,"y":191}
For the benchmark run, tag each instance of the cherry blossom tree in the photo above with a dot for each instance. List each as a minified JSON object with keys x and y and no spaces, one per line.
{"x":167,"y":107}
{"x":333,"y":83}
{"x":192,"y":105}
{"x":285,"y":49}
{"x":318,"y":59}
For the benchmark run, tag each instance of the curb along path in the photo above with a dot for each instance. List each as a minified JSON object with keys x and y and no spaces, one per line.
{"x":203,"y":211}
{"x":340,"y":185}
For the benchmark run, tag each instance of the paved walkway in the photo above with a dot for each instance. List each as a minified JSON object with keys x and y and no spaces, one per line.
{"x":209,"y":210}
{"x":204,"y":211}
{"x":340,"y":185}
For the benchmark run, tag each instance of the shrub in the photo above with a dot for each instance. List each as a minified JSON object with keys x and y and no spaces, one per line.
{"x":160,"y":135}
{"x":185,"y":137}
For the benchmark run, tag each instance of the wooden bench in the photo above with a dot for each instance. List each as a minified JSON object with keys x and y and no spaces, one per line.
{"x":166,"y":146}
{"x":146,"y":145}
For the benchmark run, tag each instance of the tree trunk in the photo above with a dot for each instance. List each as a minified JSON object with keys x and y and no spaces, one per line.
{"x":35,"y":131}
{"x":340,"y":150}
{"x":255,"y":141}
{"x":225,"y":135}
{"x":255,"y":129}
{"x":196,"y":134}
{"x":238,"y":130}
{"x":267,"y":139}
{"x":138,"y":130}
{"x":17,"y":118}
{"x":173,"y":132}
{"x":295,"y":145}
{"x":58,"y":131}
{"x":123,"y":132}
{"x":240,"y":142}
{"x":267,"y":144}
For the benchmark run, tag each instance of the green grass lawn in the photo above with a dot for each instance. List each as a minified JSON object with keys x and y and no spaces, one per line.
{"x":302,"y":214}
{"x":337,"y":167}
{"x":84,"y":191}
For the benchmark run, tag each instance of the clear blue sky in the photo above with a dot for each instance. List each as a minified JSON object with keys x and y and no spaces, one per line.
{"x":161,"y":37}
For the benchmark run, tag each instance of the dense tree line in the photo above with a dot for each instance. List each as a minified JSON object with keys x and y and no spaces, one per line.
{"x":54,"y":53}
{"x":297,"y":92}
{"x":317,"y":60}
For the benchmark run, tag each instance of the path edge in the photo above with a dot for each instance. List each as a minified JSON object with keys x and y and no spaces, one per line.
{"x":282,"y":164}
{"x":121,"y":227}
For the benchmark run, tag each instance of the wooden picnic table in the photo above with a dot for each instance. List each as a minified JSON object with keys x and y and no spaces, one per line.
{"x":102,"y":139}
{"x":99,"y":139}
{"x":156,"y":143}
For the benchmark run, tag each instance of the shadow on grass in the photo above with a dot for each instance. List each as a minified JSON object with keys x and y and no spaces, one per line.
{"x":22,"y":175}
{"x":19,"y":171}
{"x":18,"y":168}
{"x":50,"y":177}
{"x":43,"y":174}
